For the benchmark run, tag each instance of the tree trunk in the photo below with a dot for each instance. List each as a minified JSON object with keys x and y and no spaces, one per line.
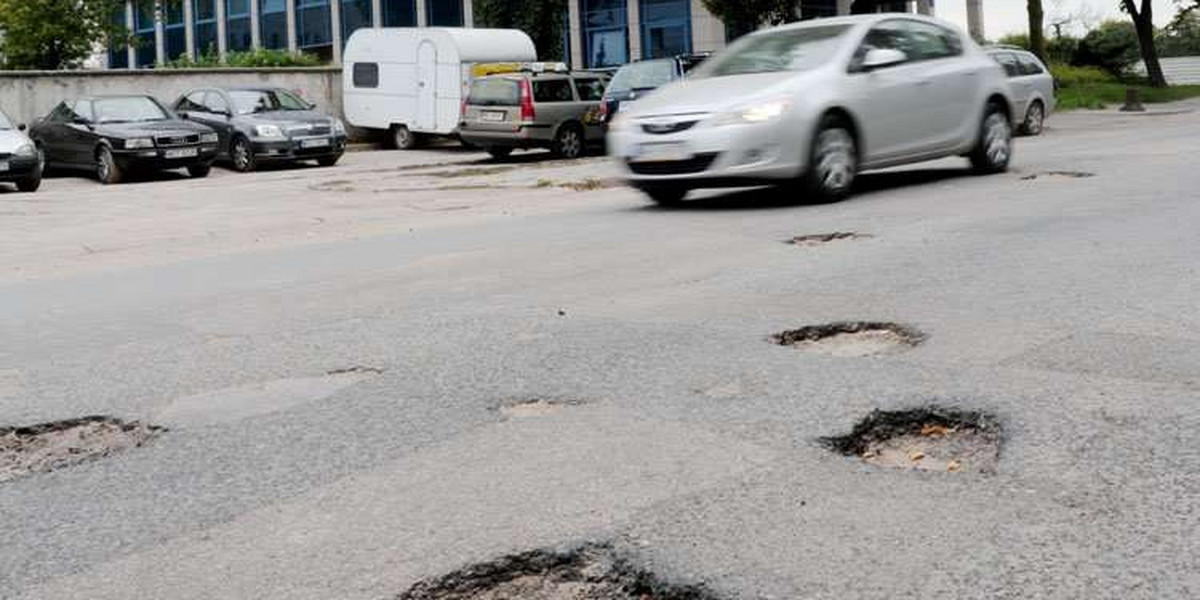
{"x":1143,"y":22}
{"x":1037,"y":35}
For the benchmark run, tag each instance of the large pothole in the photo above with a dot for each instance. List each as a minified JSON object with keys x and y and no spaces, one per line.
{"x":590,"y":572}
{"x":49,"y":446}
{"x":851,"y":338}
{"x":927,"y":439}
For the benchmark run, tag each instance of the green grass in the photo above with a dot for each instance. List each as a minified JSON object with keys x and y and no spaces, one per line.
{"x":1091,"y":87}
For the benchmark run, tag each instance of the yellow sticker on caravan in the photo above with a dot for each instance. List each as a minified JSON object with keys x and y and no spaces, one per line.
{"x":485,"y":69}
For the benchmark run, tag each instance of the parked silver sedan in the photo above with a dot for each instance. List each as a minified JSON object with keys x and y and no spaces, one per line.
{"x":1031,"y":86}
{"x":818,"y":102}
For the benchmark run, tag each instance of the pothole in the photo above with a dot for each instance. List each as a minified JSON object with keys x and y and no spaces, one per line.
{"x":535,"y":407}
{"x":49,"y":446}
{"x":355,"y":369}
{"x":851,"y":338}
{"x":816,"y":239}
{"x":926,"y":439}
{"x":1058,"y":174}
{"x":590,"y":572}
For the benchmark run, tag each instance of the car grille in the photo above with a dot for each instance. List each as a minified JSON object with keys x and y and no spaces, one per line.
{"x":665,"y":128}
{"x":5,"y":156}
{"x":308,"y":130}
{"x":696,"y":164}
{"x":177,"y":140}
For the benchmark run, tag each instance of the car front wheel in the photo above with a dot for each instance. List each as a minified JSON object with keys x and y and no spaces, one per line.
{"x":29,"y":184}
{"x":833,"y":162}
{"x":107,"y":169}
{"x":241,"y":154}
{"x":994,"y":148}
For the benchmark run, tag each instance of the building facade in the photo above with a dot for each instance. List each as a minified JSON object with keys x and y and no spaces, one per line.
{"x":596,"y":33}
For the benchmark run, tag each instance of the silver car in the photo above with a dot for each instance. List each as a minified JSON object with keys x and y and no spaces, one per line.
{"x":1031,"y":85}
{"x":20,"y":159}
{"x":559,"y":111}
{"x":818,"y":102}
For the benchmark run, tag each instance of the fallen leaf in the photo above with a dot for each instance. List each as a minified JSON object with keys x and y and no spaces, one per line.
{"x":953,"y":466}
{"x":936,"y":430}
{"x":916,"y":455}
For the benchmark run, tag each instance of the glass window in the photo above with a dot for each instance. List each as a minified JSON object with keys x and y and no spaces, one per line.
{"x":1009,"y":62}
{"x":444,"y":13}
{"x":356,"y":14}
{"x":666,"y":27}
{"x":118,"y":54}
{"x":5,"y":123}
{"x":928,"y":42}
{"x":61,"y":114}
{"x":605,"y":33}
{"x":313,"y":27}
{"x":815,"y":9}
{"x":399,"y":13}
{"x":143,"y":28}
{"x":1029,"y":65}
{"x":552,"y":90}
{"x":214,"y":102}
{"x":589,"y":90}
{"x":193,"y":102}
{"x":495,"y":91}
{"x":83,"y":110}
{"x":252,"y":101}
{"x":645,"y":75}
{"x":205,"y":36}
{"x":128,"y":110}
{"x":783,"y":50}
{"x":237,"y":25}
{"x":272,"y":24}
{"x":366,"y":75}
{"x":173,"y":28}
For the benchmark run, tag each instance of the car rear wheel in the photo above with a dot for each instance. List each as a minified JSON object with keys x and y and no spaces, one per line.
{"x":994,"y":148}
{"x":499,"y":152}
{"x":403,"y":139}
{"x":199,"y":171}
{"x":329,"y":161}
{"x":1035,"y":119}
{"x":568,"y":143}
{"x":107,"y":169}
{"x":833,"y":161}
{"x":241,"y":154}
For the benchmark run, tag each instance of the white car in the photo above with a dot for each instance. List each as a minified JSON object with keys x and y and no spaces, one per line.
{"x":819,"y":102}
{"x":20,"y":160}
{"x":1031,"y":86}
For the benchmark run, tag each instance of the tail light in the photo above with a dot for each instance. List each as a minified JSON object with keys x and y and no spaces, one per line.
{"x":527,"y":112}
{"x":462,"y":111}
{"x":602,"y":112}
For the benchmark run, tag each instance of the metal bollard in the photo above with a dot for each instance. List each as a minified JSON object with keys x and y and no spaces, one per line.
{"x":1133,"y":101}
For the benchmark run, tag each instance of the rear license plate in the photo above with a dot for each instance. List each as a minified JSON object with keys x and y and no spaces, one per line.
{"x":3,"y":166}
{"x":315,"y":143}
{"x":661,"y":152}
{"x":180,"y":153}
{"x":492,"y":115}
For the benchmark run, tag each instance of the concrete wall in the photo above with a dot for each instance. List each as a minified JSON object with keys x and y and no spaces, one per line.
{"x":27,"y":95}
{"x":1179,"y":70}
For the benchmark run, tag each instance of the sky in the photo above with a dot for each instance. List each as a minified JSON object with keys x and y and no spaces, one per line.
{"x":1001,"y":17}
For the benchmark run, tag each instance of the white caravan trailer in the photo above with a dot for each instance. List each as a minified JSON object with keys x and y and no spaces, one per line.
{"x":412,"y":81}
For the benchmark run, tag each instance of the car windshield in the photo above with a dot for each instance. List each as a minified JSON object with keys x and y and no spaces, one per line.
{"x":798,"y":49}
{"x":645,"y":75}
{"x":497,"y":91}
{"x":128,"y":110}
{"x":4,"y":122}
{"x":256,"y":101}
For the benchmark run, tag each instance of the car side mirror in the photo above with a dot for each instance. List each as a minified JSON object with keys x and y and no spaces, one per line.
{"x":185,"y":115}
{"x":882,"y":57}
{"x":22,"y":127}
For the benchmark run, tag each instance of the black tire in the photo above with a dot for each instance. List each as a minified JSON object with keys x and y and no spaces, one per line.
{"x":1035,"y":118}
{"x":30,"y":184}
{"x":832,"y":161}
{"x":665,"y":195}
{"x":403,"y":139}
{"x":199,"y":171}
{"x":500,"y":152}
{"x":241,"y":155}
{"x":569,"y":142}
{"x":107,"y":169}
{"x":329,"y":161}
{"x":993,"y":150}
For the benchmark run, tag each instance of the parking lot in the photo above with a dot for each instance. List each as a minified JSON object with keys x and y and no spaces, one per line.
{"x":381,"y":372}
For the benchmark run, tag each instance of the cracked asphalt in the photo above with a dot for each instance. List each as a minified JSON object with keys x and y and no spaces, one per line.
{"x":234,"y":310}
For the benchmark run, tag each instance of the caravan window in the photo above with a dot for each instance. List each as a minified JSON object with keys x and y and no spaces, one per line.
{"x":366,"y":75}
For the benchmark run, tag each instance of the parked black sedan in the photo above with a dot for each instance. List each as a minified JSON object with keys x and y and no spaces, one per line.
{"x":114,"y":135}
{"x":259,"y":125}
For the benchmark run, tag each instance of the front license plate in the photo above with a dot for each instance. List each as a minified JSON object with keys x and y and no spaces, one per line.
{"x":492,"y":115}
{"x":317,"y":143}
{"x":662,"y":152}
{"x":181,"y":153}
{"x":3,"y":166}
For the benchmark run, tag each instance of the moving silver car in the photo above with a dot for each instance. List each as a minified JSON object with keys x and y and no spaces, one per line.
{"x":819,"y":102}
{"x":20,"y":160}
{"x":1031,"y":86}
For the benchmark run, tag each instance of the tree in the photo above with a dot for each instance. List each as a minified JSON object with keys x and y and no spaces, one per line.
{"x":56,"y":34}
{"x":744,"y":16}
{"x":541,"y":19}
{"x":1037,"y":32}
{"x":1143,"y":22}
{"x":1113,"y":46}
{"x":1182,"y":36}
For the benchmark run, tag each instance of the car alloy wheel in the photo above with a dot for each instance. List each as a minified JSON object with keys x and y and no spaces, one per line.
{"x":242,"y":155}
{"x":994,"y":149}
{"x":836,"y":161}
{"x":107,"y":170}
{"x":1034,"y":119}
{"x":569,"y":142}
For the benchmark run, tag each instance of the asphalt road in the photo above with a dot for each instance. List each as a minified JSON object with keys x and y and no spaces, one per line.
{"x":1066,"y":307}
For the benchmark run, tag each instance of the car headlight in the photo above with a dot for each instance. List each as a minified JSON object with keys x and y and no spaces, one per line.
{"x":756,"y":113}
{"x":135,"y":143}
{"x":269,"y":131}
{"x":339,"y":127}
{"x":27,"y":150}
{"x":208,"y":138}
